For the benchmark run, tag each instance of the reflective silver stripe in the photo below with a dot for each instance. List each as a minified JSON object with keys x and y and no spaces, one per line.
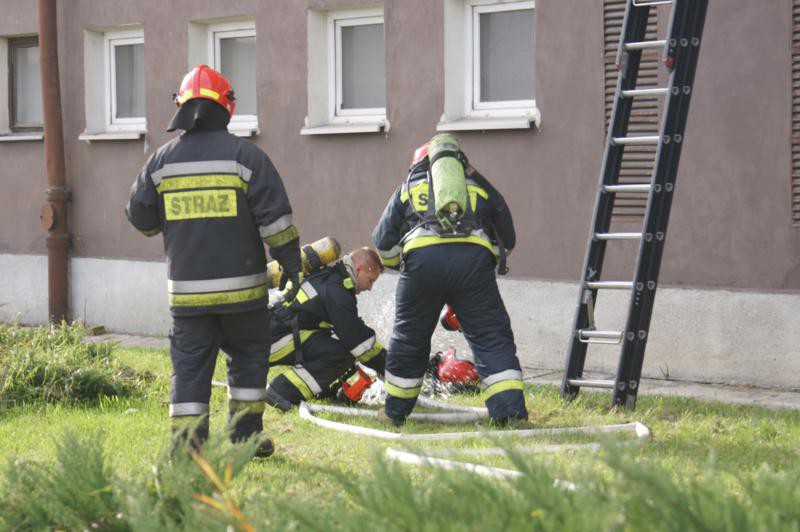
{"x":281,"y":224}
{"x":363,"y":347}
{"x":308,"y":379}
{"x":507,"y":375}
{"x":201,"y":167}
{"x":188,"y":409}
{"x":391,"y":253}
{"x":309,"y":290}
{"x":280,"y":344}
{"x":247,"y":394}
{"x":402,"y":382}
{"x":422,"y":231}
{"x":217,"y":285}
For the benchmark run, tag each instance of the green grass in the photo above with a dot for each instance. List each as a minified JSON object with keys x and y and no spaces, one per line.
{"x":709,"y":466}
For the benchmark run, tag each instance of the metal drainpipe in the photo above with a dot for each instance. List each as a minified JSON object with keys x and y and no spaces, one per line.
{"x":54,"y":212}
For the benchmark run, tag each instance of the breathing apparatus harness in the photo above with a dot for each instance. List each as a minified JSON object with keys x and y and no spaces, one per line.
{"x":451,"y":226}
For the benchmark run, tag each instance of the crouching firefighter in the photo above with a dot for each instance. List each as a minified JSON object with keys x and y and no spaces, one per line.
{"x":304,"y":325}
{"x":447,"y":229}
{"x":217,"y":199}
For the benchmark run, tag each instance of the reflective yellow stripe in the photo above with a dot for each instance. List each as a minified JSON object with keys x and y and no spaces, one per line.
{"x":218,"y":298}
{"x":251,"y":407}
{"x":422,"y":241}
{"x":348,"y":283}
{"x":151,"y":232}
{"x":289,"y":348}
{"x":502,"y":386}
{"x":301,"y":296}
{"x":209,"y":93}
{"x":298,"y":383}
{"x":185,"y":96}
{"x":279,"y":239}
{"x":392,"y":262}
{"x":402,"y":393}
{"x":325,"y":325}
{"x":201,"y":181}
{"x":371,"y":353}
{"x":474,"y":191}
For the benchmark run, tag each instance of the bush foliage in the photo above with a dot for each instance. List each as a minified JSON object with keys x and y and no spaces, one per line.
{"x":53,"y":364}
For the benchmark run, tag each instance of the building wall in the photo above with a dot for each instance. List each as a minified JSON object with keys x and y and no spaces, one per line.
{"x":730,"y":224}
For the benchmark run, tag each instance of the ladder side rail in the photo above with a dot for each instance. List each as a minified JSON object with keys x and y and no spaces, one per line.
{"x":648,"y":266}
{"x":634,"y":28}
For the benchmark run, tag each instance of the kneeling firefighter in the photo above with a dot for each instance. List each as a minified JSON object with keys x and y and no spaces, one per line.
{"x":449,"y":228}
{"x":303,"y":328}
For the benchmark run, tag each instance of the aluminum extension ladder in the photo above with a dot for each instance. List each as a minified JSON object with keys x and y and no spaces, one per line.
{"x":681,"y":49}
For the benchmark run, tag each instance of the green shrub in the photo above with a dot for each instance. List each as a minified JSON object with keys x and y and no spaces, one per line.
{"x":53,"y":364}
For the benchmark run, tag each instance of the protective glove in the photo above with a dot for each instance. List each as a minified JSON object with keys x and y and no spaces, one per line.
{"x":286,"y":277}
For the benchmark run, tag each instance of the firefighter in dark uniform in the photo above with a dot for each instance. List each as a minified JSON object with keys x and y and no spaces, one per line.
{"x":217,"y":199}
{"x":324,"y":306}
{"x":458,"y":270}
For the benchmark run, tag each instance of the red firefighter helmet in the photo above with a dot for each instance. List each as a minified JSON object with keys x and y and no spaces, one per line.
{"x":205,"y":82}
{"x":456,"y":370}
{"x":420,"y":153}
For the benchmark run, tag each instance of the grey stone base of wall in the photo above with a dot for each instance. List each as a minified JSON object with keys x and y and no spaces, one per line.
{"x":696,"y":335}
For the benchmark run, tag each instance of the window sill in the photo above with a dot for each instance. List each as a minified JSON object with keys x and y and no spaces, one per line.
{"x":21,"y":137}
{"x":487,"y":123}
{"x":244,"y":132}
{"x":115,"y":135}
{"x":344,"y":129}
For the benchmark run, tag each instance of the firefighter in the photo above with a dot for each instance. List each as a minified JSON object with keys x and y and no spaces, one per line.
{"x":217,"y":199}
{"x":449,"y":256}
{"x":324,"y":306}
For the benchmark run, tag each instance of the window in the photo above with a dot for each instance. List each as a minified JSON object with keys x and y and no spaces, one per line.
{"x":25,"y":88}
{"x":114,"y":84}
{"x":232,"y":51}
{"x":346,"y":72}
{"x":489,"y":65}
{"x":125,"y":81}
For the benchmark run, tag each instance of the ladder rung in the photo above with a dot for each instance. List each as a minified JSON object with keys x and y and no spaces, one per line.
{"x":639,"y":3}
{"x":645,"y":45}
{"x":626,"y":188}
{"x":661,"y":91}
{"x":636,"y":141}
{"x":612,"y":285}
{"x":618,"y":236}
{"x":592,"y":383}
{"x":599,"y":337}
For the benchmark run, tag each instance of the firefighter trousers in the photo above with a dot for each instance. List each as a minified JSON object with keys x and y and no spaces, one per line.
{"x":325,"y":359}
{"x":463,"y":276}
{"x":195,"y":342}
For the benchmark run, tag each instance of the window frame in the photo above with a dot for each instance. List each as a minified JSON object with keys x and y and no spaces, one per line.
{"x":111,"y":40}
{"x":231,"y":30}
{"x":15,"y":43}
{"x":336,"y":21}
{"x":474,"y":107}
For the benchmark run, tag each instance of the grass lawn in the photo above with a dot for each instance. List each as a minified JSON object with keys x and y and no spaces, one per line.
{"x":708,"y":466}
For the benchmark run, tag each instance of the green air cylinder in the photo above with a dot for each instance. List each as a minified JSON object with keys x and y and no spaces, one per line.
{"x":449,"y":180}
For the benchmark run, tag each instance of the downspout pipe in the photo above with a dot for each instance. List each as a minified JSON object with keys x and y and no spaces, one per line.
{"x":54,"y":211}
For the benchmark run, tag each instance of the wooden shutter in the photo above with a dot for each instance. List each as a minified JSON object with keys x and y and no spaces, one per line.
{"x":795,"y":194}
{"x":638,"y":162}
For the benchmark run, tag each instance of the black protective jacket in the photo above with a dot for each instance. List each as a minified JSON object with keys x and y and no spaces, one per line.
{"x":325,"y":304}
{"x":216,"y":198}
{"x":399,"y":231}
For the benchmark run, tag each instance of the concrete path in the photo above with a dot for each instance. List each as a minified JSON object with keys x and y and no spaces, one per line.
{"x":768,"y":397}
